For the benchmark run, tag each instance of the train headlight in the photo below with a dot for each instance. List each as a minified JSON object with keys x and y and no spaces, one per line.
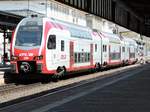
{"x":14,"y":58}
{"x":38,"y":57}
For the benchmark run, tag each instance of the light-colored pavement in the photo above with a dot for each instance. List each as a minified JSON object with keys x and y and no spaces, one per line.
{"x":1,"y":78}
{"x":2,"y":70}
{"x":1,"y":81}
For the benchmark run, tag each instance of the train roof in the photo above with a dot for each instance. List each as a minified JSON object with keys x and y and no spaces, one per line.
{"x":75,"y":30}
{"x":32,"y":21}
{"x":113,"y":38}
{"x":129,"y":41}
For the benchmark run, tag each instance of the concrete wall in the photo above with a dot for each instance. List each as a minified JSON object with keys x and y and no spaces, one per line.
{"x":51,"y":9}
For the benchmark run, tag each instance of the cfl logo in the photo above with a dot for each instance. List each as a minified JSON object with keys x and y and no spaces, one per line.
{"x":25,"y":67}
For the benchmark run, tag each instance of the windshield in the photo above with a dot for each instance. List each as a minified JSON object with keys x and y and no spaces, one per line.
{"x":29,"y":35}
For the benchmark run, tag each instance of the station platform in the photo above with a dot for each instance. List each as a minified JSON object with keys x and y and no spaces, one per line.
{"x":131,"y":94}
{"x":126,"y":92}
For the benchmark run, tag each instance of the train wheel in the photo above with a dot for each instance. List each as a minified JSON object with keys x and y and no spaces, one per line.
{"x":61,"y":72}
{"x":97,"y":67}
{"x":123,"y":63}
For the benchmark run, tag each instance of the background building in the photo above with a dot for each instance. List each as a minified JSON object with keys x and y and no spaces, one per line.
{"x":51,"y":8}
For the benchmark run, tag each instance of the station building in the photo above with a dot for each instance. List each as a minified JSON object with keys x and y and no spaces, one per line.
{"x":51,"y":8}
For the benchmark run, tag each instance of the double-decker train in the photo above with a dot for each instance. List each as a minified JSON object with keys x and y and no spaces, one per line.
{"x":50,"y":47}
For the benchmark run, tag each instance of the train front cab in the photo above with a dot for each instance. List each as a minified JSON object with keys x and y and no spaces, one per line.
{"x":25,"y":48}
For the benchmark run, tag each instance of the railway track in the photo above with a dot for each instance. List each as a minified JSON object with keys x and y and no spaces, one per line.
{"x":12,"y":92}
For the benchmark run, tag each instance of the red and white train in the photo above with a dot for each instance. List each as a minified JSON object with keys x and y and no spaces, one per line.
{"x":48,"y":47}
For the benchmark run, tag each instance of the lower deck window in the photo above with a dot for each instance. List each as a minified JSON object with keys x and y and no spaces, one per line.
{"x":62,"y":45}
{"x":76,"y":57}
{"x":81,"y":57}
{"x":115,"y":56}
{"x":132,"y":55}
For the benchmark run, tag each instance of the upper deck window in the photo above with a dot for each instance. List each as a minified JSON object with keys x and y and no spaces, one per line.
{"x":79,"y":33}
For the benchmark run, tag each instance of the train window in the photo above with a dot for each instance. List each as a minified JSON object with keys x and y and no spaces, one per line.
{"x":123,"y":49}
{"x":82,"y":57}
{"x":88,"y":57}
{"x":95,"y":47}
{"x":115,"y":56}
{"x":85,"y":57}
{"x":103,"y":48}
{"x":79,"y":58}
{"x":51,"y":42}
{"x":75,"y":32}
{"x":62,"y":45}
{"x":76,"y":57}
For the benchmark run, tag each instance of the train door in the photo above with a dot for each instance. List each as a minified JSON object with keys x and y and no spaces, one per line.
{"x":91,"y":54}
{"x":129,"y":54}
{"x":105,"y":50}
{"x":123,"y":50}
{"x":109,"y":50}
{"x":97,"y":53}
{"x":71,"y":54}
{"x":51,"y":52}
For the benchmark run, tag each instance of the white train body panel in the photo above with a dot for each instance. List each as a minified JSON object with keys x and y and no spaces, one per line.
{"x":123,"y":51}
{"x":81,"y":47}
{"x":56,"y":57}
{"x":115,"y":51}
{"x":97,"y":48}
{"x":112,"y":54}
{"x":105,"y":49}
{"x":130,"y":50}
{"x":43,"y":45}
{"x":126,"y":50}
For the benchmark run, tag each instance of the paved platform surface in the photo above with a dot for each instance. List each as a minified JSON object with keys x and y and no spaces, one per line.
{"x":128,"y":95}
{"x":1,"y":77}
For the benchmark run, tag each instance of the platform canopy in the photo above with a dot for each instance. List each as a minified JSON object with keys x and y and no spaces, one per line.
{"x":8,"y":20}
{"x":131,"y":14}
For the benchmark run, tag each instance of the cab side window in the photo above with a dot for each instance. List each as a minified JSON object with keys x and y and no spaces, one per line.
{"x":123,"y":49}
{"x":62,"y":45}
{"x":104,"y":48}
{"x":51,"y":42}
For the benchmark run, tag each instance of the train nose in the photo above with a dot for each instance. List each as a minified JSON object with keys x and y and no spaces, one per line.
{"x":25,"y":67}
